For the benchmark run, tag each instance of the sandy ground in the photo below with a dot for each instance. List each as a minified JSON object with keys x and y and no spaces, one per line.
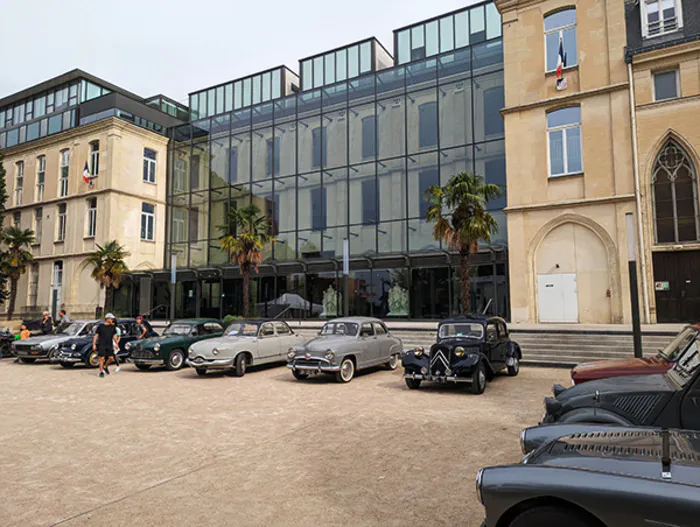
{"x":171,"y":448}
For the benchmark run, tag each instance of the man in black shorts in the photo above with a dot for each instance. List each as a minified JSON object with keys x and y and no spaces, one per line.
{"x":103,"y":343}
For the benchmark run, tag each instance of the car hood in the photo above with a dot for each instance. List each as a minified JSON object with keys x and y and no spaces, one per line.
{"x":323,"y":343}
{"x":78,"y":341}
{"x":46,"y":341}
{"x":616,"y":367}
{"x":220,"y":343}
{"x":152,"y":341}
{"x":617,"y":385}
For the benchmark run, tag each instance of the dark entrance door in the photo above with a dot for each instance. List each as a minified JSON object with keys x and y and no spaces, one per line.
{"x":677,"y":284}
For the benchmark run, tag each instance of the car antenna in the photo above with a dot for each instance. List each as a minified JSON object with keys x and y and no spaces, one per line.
{"x":665,"y":454}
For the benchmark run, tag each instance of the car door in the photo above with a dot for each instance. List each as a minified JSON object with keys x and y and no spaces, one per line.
{"x":383,"y":342}
{"x":129,"y":334}
{"x":689,"y":364}
{"x":492,"y":344}
{"x":286,"y":338}
{"x":268,"y":342}
{"x":502,"y":343}
{"x":368,"y":352}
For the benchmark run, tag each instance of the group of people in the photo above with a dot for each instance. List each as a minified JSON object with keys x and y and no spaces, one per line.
{"x":47,"y":324}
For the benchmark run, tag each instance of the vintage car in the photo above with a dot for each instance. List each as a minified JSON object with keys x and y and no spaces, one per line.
{"x":344,"y":346}
{"x":245,"y":343}
{"x":171,"y":348}
{"x":48,"y":346}
{"x":534,"y":437}
{"x":600,"y":478}
{"x":661,"y":363}
{"x":671,"y":399}
{"x":79,"y":350}
{"x":469,"y":349}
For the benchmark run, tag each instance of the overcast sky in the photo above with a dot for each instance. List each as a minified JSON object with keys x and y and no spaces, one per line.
{"x":175,"y":47}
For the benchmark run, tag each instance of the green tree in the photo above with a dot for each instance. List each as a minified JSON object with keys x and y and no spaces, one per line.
{"x":108,"y":268}
{"x":15,"y":259}
{"x":458,"y":210}
{"x":244,"y":237}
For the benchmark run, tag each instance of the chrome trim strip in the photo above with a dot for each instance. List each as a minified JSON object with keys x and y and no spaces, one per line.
{"x":210,"y":363}
{"x":308,"y":367}
{"x":442,"y":378}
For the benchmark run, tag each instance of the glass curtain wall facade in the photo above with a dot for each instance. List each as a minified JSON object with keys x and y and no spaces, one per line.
{"x":350,"y":160}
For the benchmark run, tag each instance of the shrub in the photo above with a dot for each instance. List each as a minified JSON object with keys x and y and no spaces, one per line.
{"x":230,"y":318}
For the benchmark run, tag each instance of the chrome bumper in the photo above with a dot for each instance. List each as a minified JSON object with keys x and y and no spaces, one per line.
{"x":58,"y":360}
{"x":323,"y":366}
{"x":145,"y":361}
{"x":436,"y":378}
{"x":210,"y":363}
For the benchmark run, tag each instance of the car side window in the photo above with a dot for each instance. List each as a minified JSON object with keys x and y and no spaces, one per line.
{"x":379,"y":328}
{"x":198,"y":330}
{"x":502,"y":331}
{"x":267,"y":330}
{"x":282,"y":329}
{"x":366,"y":330}
{"x":491,"y":331}
{"x":212,"y":327}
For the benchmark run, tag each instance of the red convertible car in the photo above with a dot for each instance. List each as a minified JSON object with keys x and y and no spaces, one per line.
{"x":664,"y":360}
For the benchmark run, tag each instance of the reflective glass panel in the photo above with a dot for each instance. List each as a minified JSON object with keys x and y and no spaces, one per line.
{"x":266,"y":85}
{"x":341,"y":64}
{"x":330,"y":68}
{"x":318,"y":72}
{"x":431,"y":38}
{"x":353,"y":62}
{"x":462,"y":29}
{"x":365,"y":57}
{"x":404,"y":46}
{"x":447,"y":37}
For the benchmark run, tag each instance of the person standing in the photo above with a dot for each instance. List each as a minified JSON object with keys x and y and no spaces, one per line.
{"x":103,"y":343}
{"x":141,"y":327}
{"x":117,"y":339}
{"x":63,"y":317}
{"x":24,"y":333}
{"x":46,"y":323}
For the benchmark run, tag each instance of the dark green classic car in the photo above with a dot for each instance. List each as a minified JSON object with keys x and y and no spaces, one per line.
{"x":170,"y":349}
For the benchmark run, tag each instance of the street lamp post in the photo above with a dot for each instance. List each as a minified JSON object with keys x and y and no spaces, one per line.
{"x":346,"y":277}
{"x":634,"y":288}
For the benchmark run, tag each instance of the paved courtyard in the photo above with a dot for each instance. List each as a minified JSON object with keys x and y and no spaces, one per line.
{"x":171,"y":448}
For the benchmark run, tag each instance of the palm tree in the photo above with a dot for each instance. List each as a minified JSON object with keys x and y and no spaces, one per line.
{"x":459,"y":212}
{"x":108,"y":268}
{"x":244,"y":237}
{"x":15,"y":259}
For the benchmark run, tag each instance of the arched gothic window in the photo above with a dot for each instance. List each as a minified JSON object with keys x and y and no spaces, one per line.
{"x":675,"y":195}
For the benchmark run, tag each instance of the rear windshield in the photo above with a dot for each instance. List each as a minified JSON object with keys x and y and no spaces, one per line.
{"x":462,"y":329}
{"x":340,"y":328}
{"x":178,"y":329}
{"x":688,"y":363}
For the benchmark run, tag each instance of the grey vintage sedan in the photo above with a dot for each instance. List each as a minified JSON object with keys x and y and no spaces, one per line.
{"x":604,"y":477}
{"x":48,"y":346}
{"x":344,"y":346}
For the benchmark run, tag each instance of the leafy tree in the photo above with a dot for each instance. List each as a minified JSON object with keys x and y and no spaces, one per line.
{"x":15,"y":259}
{"x":244,"y":237}
{"x":108,"y":268}
{"x":458,"y":210}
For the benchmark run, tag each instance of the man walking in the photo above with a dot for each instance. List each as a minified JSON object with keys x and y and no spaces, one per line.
{"x":103,"y":343}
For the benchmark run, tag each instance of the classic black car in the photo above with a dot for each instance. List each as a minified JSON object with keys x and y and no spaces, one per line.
{"x":602,"y":477}
{"x":669,"y":400}
{"x":79,"y":350}
{"x":468,"y":349}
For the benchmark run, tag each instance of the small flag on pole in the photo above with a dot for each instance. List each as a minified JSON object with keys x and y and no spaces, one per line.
{"x":86,"y":174}
{"x":561,"y":64}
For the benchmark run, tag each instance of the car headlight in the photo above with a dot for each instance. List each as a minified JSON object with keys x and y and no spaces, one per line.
{"x":156,"y":347}
{"x":330,"y":354}
{"x":459,"y":351}
{"x":36,"y":347}
{"x":418,"y":352}
{"x":479,"y":483}
{"x":74,"y":346}
{"x":215,"y":351}
{"x":551,"y":406}
{"x":127,"y":346}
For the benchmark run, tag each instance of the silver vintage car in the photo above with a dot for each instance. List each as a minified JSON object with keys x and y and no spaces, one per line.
{"x":48,"y":346}
{"x":343,"y":346}
{"x":244,"y":343}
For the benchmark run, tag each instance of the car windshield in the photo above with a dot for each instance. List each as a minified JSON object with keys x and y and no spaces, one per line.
{"x":242,"y":329}
{"x":70,"y":330}
{"x":687,"y":364}
{"x":339,"y":328}
{"x":681,"y":341}
{"x":178,"y":329}
{"x":462,"y":330}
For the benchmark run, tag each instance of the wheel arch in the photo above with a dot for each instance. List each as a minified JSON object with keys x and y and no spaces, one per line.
{"x":247,"y":354}
{"x":515,"y":349}
{"x":593,"y":416}
{"x":546,"y":501}
{"x":490,"y":372}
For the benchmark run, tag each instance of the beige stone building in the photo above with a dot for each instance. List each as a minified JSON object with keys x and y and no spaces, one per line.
{"x":119,"y":140}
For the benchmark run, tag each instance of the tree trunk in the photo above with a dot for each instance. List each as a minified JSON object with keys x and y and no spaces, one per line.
{"x":246,"y":289}
{"x":108,"y":300}
{"x":464,"y":276}
{"x":13,"y":297}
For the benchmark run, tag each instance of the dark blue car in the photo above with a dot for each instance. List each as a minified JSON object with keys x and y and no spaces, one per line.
{"x":79,"y":349}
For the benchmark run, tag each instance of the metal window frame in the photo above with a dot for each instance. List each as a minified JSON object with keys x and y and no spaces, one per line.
{"x":644,"y":16}
{"x":675,"y":70}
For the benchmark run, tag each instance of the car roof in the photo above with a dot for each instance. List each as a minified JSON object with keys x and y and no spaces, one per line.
{"x":355,"y":320}
{"x":481,"y":319}
{"x":194,"y":321}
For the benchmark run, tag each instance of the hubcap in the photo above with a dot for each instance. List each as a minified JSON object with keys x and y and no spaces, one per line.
{"x":93,"y":359}
{"x":394,"y":361}
{"x":347,"y":369}
{"x":176,"y":360}
{"x":482,"y":378}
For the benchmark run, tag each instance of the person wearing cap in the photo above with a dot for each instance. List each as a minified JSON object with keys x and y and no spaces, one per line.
{"x":103,"y":342}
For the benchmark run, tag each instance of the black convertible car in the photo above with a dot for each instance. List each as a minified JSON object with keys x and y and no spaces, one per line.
{"x":668,"y":400}
{"x":79,"y":350}
{"x":468,"y":349}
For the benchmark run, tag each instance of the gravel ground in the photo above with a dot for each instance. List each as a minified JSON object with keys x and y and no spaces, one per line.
{"x":171,"y":448}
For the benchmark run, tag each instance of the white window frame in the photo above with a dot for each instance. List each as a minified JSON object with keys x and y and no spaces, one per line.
{"x":40,"y":177}
{"x":178,"y":228}
{"x":63,"y":181}
{"x":94,"y":158}
{"x":678,"y":84}
{"x":90,"y":217}
{"x":38,"y":224}
{"x":560,"y":32}
{"x":150,"y":217}
{"x":150,"y":167}
{"x":563,"y":129}
{"x":61,"y":222}
{"x":180,"y":174}
{"x":19,"y":182}
{"x":678,"y":6}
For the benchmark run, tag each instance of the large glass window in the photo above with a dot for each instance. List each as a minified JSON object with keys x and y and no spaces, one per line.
{"x":94,"y":158}
{"x":363,"y":188}
{"x":63,"y":175}
{"x":489,"y":99}
{"x":391,"y":126}
{"x":19,"y":182}
{"x":335,"y":183}
{"x":369,"y":136}
{"x":561,"y":27}
{"x":427,"y":124}
{"x":336,"y":138}
{"x":40,"y":177}
{"x":318,"y":147}
{"x":455,"y":114}
{"x":90,"y":217}
{"x":661,"y":16}
{"x":61,"y":223}
{"x":391,"y":176}
{"x":564,"y":141}
{"x":666,"y":85}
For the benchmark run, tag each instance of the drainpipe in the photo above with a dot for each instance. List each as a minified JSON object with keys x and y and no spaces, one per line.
{"x":638,"y":196}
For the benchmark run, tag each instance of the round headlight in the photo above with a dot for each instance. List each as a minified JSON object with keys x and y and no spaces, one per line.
{"x":73,"y":347}
{"x":418,"y":352}
{"x":127,"y":346}
{"x":291,"y":354}
{"x":459,"y":351}
{"x":156,"y":347}
{"x":330,"y":354}
{"x":215,"y":351}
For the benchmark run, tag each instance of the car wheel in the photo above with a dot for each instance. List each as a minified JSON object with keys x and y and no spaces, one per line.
{"x":479,"y":379}
{"x":514,"y":368}
{"x":393,"y":362}
{"x":67,"y":365}
{"x":413,"y":384}
{"x":175,"y":360}
{"x":26,"y":360}
{"x":143,"y":367}
{"x":53,"y":354}
{"x":347,"y":371}
{"x":550,"y":517}
{"x":93,"y":360}
{"x":300,"y":375}
{"x":239,"y":366}
{"x":201,"y":371}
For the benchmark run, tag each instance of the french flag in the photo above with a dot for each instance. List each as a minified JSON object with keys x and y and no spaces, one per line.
{"x":561,"y":58}
{"x":87,"y":175}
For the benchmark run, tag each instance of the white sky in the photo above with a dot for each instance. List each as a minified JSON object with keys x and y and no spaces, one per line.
{"x":175,"y":46}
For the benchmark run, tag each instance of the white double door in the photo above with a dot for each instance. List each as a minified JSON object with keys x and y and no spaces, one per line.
{"x":557,"y":298}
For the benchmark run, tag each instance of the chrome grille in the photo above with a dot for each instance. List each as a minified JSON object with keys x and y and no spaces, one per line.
{"x":141,"y":354}
{"x":439,"y":360}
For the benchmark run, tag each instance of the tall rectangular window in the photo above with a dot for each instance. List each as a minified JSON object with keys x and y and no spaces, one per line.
{"x":17,"y":219}
{"x":63,"y":179}
{"x":369,"y":136}
{"x":560,"y":26}
{"x":33,"y":288}
{"x":180,"y":174}
{"x":149,"y":165}
{"x":660,"y":17}
{"x":94,"y":158}
{"x":194,"y":172}
{"x":426,"y":179}
{"x":494,"y":101}
{"x":179,"y":225}
{"x":370,"y":200}
{"x":91,"y":217}
{"x":318,"y":147}
{"x":318,"y":209}
{"x":193,"y":225}
{"x":19,"y":182}
{"x":272,"y":159}
{"x":61,"y":223}
{"x":564,"y":141}
{"x":148,"y":220}
{"x":38,"y":214}
{"x":666,"y":85}
{"x":427,"y":124}
{"x":40,"y":175}
{"x":233,"y":164}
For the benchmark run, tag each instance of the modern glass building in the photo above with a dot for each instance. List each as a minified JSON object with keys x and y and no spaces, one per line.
{"x":345,"y":151}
